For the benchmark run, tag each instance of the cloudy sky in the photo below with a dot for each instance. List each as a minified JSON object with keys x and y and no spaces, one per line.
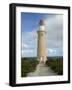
{"x":54,"y":34}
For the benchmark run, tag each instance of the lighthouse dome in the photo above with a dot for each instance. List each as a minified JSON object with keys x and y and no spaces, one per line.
{"x":41,"y":25}
{"x":41,"y":22}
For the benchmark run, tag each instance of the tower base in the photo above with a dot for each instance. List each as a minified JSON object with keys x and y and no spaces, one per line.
{"x":42,"y":60}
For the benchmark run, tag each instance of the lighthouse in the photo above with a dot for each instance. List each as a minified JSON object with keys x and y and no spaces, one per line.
{"x":41,"y":47}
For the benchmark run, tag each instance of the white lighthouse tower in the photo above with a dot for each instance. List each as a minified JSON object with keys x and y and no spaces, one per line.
{"x":41,"y":49}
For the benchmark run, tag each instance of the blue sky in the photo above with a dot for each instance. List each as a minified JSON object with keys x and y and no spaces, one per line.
{"x":30,"y":20}
{"x":54,"y":37}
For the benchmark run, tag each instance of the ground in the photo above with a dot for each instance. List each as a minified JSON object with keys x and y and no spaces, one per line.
{"x":42,"y":70}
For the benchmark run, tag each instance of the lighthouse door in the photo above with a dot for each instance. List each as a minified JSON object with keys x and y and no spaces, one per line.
{"x":42,"y":59}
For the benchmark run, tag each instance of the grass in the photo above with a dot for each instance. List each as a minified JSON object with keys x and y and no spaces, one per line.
{"x":56,"y":65}
{"x":27,"y":66}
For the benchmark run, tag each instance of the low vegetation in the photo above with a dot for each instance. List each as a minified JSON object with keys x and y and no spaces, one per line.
{"x":56,"y":64}
{"x":28,"y":65}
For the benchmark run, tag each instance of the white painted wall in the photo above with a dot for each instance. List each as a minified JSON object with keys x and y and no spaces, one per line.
{"x":4,"y":44}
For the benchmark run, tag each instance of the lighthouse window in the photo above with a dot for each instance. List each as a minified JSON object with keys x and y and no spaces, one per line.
{"x":41,"y":34}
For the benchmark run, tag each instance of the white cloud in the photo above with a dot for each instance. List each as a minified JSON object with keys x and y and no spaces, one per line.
{"x":24,"y":46}
{"x":55,"y":22}
{"x":52,"y":50}
{"x":54,"y":29}
{"x":27,"y":51}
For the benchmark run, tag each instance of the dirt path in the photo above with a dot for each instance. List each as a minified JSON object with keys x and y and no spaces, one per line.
{"x":42,"y":70}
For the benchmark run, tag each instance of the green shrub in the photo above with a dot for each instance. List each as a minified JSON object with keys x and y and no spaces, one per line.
{"x":28,"y":66}
{"x":56,"y":64}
